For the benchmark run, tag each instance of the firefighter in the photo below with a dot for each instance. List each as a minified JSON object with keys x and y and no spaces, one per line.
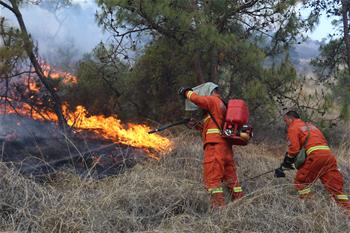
{"x":218,"y":164}
{"x":319,"y":160}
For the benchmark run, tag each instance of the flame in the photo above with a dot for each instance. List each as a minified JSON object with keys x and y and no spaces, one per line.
{"x":32,"y":86}
{"x":68,"y":78}
{"x":25,"y":109}
{"x":110,"y":128}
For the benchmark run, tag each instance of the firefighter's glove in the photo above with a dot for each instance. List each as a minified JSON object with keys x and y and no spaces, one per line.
{"x":279,"y":172}
{"x":182,"y":91}
{"x":288,"y":162}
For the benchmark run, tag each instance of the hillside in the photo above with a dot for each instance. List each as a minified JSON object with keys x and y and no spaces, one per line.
{"x":168,"y":196}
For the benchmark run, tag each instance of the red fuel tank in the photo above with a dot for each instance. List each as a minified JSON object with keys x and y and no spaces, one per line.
{"x":237,"y":112}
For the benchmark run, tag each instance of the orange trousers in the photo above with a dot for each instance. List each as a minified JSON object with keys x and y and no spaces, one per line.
{"x":323,"y":165}
{"x":219,"y":167}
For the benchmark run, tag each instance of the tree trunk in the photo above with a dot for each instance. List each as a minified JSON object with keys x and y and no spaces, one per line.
{"x":28,"y":46}
{"x":198,"y":68}
{"x":214,"y":66}
{"x":345,"y":11}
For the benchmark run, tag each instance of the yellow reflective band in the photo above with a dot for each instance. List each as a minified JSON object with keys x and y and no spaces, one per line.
{"x":188,"y":94}
{"x":312,"y":149}
{"x":237,"y":189}
{"x":342,"y":197}
{"x":213,"y":130}
{"x":207,"y":118}
{"x":304,"y":191}
{"x":215,"y":190}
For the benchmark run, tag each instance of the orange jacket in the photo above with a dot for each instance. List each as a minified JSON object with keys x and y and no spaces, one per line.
{"x":297,"y":133}
{"x":213,"y":104}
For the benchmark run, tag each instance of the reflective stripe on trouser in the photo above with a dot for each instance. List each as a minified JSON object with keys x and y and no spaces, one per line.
{"x":322,"y":165}
{"x":213,"y":130}
{"x":215,"y":190}
{"x":237,"y":193}
{"x":218,"y":166}
{"x":343,"y":201}
{"x":304,"y":191}
{"x":237,"y":189}
{"x":342,"y":197}
{"x":314,"y":148}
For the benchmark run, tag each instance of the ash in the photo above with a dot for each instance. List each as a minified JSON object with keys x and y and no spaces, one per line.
{"x":39,"y":149}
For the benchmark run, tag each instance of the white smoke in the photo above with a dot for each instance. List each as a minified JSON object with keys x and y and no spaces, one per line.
{"x":71,"y":27}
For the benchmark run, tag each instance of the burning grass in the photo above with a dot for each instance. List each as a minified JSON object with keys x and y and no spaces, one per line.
{"x":168,"y":196}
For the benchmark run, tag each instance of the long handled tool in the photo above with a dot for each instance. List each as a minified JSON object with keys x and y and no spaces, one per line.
{"x":279,"y":172}
{"x":180,"y":122}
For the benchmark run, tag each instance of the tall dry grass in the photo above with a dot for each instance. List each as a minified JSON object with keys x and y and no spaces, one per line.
{"x":168,"y":196}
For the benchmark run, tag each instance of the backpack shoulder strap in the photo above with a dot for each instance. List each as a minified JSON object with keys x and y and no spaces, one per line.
{"x":216,"y":123}
{"x":212,"y":117}
{"x":308,"y":135}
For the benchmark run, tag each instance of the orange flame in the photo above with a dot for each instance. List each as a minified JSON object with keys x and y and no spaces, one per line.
{"x":68,"y":78}
{"x":26,"y":110}
{"x":109,"y":128}
{"x":33,"y":87}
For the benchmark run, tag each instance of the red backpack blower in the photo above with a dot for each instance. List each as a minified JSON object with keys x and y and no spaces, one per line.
{"x":236,"y":128}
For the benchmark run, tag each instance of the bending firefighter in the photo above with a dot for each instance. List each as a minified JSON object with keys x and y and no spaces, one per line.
{"x":309,"y":151}
{"x":218,"y":164}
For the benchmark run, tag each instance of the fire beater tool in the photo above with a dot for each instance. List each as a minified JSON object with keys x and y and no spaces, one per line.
{"x":163,"y":127}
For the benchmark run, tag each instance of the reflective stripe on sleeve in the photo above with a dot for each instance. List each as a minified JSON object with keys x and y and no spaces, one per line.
{"x":312,"y":149}
{"x":188,"y":94}
{"x":237,"y":189}
{"x":304,"y":191}
{"x":342,"y":197}
{"x":213,"y":130}
{"x":215,"y":190}
{"x":205,"y":119}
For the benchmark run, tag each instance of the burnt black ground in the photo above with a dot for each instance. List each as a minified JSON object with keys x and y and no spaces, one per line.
{"x":40,"y":148}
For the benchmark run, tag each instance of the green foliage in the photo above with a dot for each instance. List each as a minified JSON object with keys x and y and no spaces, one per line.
{"x":332,"y":66}
{"x":175,"y":43}
{"x":11,"y":47}
{"x":99,"y":85}
{"x":341,"y":95}
{"x":331,"y":61}
{"x":196,"y":41}
{"x":153,"y":82}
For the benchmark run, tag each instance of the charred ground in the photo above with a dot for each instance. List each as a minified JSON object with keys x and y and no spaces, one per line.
{"x":38,"y":150}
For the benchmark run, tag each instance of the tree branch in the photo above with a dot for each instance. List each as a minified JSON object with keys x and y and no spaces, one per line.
{"x":29,"y":50}
{"x":8,"y":7}
{"x":345,"y":10}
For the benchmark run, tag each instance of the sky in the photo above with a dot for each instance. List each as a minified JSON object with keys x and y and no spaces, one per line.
{"x":80,"y":29}
{"x":323,"y":29}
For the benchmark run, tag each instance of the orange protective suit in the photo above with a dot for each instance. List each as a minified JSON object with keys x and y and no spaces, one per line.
{"x":218,"y":164}
{"x":319,"y":163}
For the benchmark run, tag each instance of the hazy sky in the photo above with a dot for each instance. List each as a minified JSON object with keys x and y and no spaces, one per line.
{"x":322,"y":30}
{"x":78,"y":26}
{"x":80,"y":29}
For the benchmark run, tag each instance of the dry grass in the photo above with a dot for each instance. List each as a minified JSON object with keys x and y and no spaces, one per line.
{"x":168,"y":196}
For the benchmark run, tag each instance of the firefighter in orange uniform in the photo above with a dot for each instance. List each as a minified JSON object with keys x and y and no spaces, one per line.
{"x":319,"y":163}
{"x":218,"y":164}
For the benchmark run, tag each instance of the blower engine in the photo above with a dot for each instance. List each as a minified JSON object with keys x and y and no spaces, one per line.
{"x":236,"y":127}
